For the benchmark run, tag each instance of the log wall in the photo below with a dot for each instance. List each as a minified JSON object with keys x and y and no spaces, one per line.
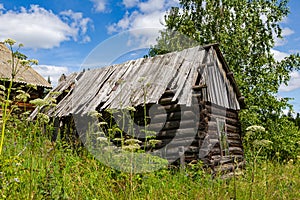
{"x":235,"y":157}
{"x":194,"y":128}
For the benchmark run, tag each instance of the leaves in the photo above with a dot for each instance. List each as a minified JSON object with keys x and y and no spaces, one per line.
{"x":245,"y":31}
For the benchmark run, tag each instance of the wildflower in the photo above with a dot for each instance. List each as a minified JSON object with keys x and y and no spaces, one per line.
{"x":130,"y":108}
{"x":24,"y":62}
{"x":118,"y":139}
{"x":111,"y":111}
{"x":17,"y":180}
{"x":132,"y":147}
{"x":132,"y":141}
{"x":110,"y":148}
{"x":262,"y":143}
{"x":291,"y":161}
{"x":10,"y":41}
{"x":102,"y":139}
{"x":95,"y":114}
{"x":2,"y":87}
{"x":256,"y":128}
{"x":38,"y":102}
{"x":154,"y":142}
{"x":43,"y":118}
{"x":34,"y":61}
{"x":102,"y":123}
{"x":101,"y":133}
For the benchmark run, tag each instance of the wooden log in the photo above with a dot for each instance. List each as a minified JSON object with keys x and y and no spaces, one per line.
{"x":168,"y":93}
{"x":213,"y":134}
{"x":170,"y":125}
{"x":235,"y":143}
{"x":188,"y":114}
{"x":197,"y":97}
{"x":188,"y":132}
{"x":201,"y":134}
{"x":236,"y":150}
{"x":192,"y":149}
{"x":232,"y":129}
{"x":166,"y":134}
{"x":168,"y":101}
{"x":221,"y":111}
{"x":233,"y":136}
{"x":202,"y":127}
{"x":170,"y":107}
{"x":199,"y":87}
{"x":230,"y":121}
{"x":229,"y":74}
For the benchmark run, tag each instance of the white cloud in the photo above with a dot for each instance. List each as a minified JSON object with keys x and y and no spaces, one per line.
{"x":54,"y":72}
{"x":41,"y":28}
{"x":151,"y":6}
{"x":293,"y":84}
{"x":287,"y":32}
{"x":78,"y":23}
{"x":146,"y":26}
{"x":279,"y":55}
{"x":148,"y":14}
{"x":282,"y":41}
{"x":2,"y":6}
{"x":99,"y":5}
{"x":294,"y":51}
{"x":130,"y":3}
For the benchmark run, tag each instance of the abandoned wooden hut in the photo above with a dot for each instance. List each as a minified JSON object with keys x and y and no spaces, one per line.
{"x":188,"y":99}
{"x":26,"y":76}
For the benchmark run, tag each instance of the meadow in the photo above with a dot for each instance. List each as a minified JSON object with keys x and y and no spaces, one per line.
{"x":34,"y":167}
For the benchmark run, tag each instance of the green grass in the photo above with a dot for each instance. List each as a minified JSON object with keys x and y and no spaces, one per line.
{"x":32,"y":167}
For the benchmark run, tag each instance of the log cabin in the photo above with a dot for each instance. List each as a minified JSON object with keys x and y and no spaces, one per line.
{"x":25,"y":79}
{"x":188,"y":100}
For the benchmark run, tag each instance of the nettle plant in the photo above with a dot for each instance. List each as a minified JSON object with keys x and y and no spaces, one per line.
{"x":18,"y":63}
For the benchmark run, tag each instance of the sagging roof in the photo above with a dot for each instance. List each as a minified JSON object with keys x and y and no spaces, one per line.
{"x":145,"y":80}
{"x":25,"y":75}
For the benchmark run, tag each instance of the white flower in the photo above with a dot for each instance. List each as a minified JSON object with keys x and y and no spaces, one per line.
{"x":17,"y":180}
{"x":132,"y":141}
{"x":102,"y":123}
{"x":132,"y":147}
{"x":10,"y":41}
{"x":102,"y":139}
{"x":255,"y":128}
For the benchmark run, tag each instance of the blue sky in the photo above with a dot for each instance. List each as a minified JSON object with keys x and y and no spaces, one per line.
{"x":63,"y":35}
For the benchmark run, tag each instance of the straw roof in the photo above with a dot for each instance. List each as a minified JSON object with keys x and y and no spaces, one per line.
{"x":25,"y":75}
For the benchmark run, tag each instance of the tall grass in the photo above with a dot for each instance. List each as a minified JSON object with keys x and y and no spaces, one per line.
{"x":33,"y":167}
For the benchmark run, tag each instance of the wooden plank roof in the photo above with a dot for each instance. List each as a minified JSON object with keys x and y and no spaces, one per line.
{"x":145,"y":80}
{"x":25,"y":75}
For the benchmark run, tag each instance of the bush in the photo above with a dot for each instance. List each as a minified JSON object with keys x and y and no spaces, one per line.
{"x":279,"y":141}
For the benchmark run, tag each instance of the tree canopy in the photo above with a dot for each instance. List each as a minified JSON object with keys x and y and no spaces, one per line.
{"x":246,"y":31}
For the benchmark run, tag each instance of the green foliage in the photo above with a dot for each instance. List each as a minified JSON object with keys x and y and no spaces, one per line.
{"x":36,"y":168}
{"x":286,"y":140}
{"x":245,"y":31}
{"x":9,"y":94}
{"x":280,"y":141}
